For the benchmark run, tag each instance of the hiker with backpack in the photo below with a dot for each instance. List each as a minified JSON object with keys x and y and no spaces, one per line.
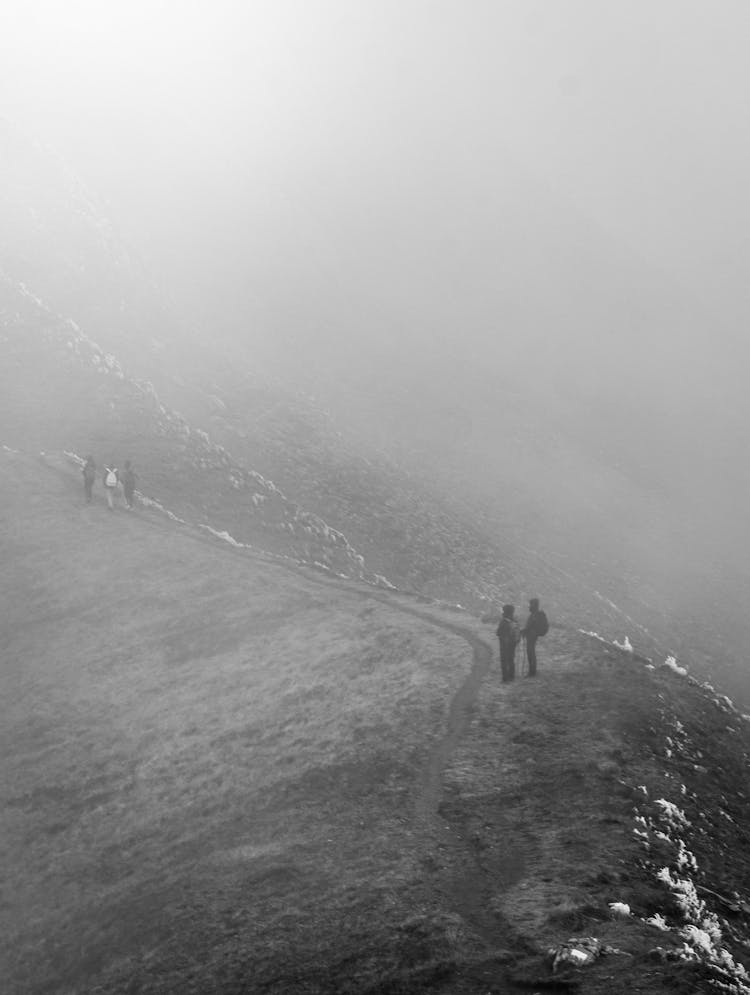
{"x":89,"y":476}
{"x":509,"y":635}
{"x":110,"y":478}
{"x":128,"y":478}
{"x":536,"y":626}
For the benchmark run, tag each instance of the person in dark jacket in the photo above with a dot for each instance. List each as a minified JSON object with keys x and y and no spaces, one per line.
{"x":128,"y":478}
{"x":89,"y":476}
{"x":508,"y":634}
{"x":536,"y":626}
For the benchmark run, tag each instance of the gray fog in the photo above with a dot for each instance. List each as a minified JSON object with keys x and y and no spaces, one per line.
{"x":400,"y":143}
{"x":504,"y":241}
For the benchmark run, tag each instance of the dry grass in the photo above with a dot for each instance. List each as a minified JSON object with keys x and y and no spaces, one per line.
{"x":221,"y":775}
{"x":196,"y":745}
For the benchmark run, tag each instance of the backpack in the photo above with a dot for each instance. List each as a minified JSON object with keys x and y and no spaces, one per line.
{"x":111,"y":479}
{"x":541,"y":623}
{"x":89,"y":472}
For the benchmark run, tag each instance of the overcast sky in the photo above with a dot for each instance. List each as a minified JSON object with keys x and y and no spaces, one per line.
{"x":265,"y":129}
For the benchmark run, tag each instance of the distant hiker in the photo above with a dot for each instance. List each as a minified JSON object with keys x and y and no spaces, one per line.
{"x":509,"y":636}
{"x":128,"y":478}
{"x":89,"y":476}
{"x":536,"y":626}
{"x":110,"y":478}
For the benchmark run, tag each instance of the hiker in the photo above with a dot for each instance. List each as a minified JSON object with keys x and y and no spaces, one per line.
{"x":110,"y":478}
{"x":536,"y":626}
{"x":128,"y":478}
{"x":89,"y":476}
{"x":508,"y":634}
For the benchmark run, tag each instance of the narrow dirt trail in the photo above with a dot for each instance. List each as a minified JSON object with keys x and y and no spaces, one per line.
{"x":461,"y":882}
{"x":459,"y":710}
{"x":428,"y":800}
{"x":464,"y":879}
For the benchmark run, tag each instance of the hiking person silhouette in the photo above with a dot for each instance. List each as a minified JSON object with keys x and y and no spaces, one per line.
{"x":110,"y":478}
{"x":509,"y":635}
{"x":128,"y":478}
{"x":89,"y":476}
{"x":536,"y":626}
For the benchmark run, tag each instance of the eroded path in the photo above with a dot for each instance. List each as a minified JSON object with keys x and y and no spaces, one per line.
{"x":426,"y":842}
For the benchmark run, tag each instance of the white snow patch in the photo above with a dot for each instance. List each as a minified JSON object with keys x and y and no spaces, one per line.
{"x":621,"y":909}
{"x":671,"y":662}
{"x":223,"y":535}
{"x":674,"y":816}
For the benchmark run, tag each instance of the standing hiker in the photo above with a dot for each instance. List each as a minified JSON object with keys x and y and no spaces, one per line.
{"x":89,"y":476}
{"x":536,"y":626}
{"x":128,"y":478}
{"x":110,"y":478}
{"x":508,"y":634}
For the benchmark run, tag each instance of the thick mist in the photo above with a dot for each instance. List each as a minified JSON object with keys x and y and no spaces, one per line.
{"x":505,"y":243}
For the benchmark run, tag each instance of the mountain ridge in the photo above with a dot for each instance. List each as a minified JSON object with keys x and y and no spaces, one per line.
{"x":227,"y":774}
{"x":554,"y":514}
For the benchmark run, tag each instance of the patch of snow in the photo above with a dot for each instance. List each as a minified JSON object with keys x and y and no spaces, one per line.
{"x":685,"y":858}
{"x":223,"y":535}
{"x":725,"y":703}
{"x":698,"y":939}
{"x":674,"y":816}
{"x":594,"y":635}
{"x":671,"y":662}
{"x":621,"y":909}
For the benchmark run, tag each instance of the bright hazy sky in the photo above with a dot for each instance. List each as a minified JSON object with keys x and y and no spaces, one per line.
{"x":634,"y":114}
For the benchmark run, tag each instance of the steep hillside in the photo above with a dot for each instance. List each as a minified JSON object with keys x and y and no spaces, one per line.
{"x":471,"y":488}
{"x":224,"y":773}
{"x":62,"y":390}
{"x":245,"y":453}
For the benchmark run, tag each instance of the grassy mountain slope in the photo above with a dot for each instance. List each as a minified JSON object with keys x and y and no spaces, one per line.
{"x":449,"y":476}
{"x":194,"y":740}
{"x":62,"y":390}
{"x":224,"y":774}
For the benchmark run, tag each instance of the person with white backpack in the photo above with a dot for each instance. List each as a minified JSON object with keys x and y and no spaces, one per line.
{"x":111,"y":479}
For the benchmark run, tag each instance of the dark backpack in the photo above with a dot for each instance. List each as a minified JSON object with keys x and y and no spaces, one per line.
{"x":541,"y":623}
